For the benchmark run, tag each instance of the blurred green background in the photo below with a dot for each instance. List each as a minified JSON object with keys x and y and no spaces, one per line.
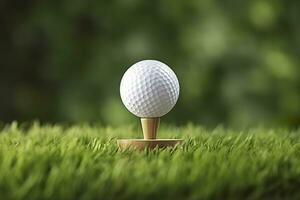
{"x":237,"y":61}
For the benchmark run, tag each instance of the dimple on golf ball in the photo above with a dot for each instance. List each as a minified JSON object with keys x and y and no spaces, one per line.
{"x":149,"y":89}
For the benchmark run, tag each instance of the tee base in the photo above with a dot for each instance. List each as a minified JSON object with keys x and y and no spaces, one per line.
{"x":141,"y":144}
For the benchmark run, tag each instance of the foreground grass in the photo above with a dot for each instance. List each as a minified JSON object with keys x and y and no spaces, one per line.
{"x":83,"y":162}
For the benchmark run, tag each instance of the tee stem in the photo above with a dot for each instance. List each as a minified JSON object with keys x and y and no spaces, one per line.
{"x":150,"y":127}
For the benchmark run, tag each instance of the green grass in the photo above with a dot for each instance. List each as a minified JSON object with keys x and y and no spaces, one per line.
{"x":83,"y":162}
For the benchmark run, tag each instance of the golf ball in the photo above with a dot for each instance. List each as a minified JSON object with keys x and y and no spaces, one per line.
{"x":149,"y":88}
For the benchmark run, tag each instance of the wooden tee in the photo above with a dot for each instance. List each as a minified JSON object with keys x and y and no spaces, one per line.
{"x":150,"y":127}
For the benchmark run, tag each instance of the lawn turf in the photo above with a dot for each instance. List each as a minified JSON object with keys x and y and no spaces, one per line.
{"x":83,"y":162}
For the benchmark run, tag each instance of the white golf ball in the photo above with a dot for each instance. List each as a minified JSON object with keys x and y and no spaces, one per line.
{"x":149,"y":88}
